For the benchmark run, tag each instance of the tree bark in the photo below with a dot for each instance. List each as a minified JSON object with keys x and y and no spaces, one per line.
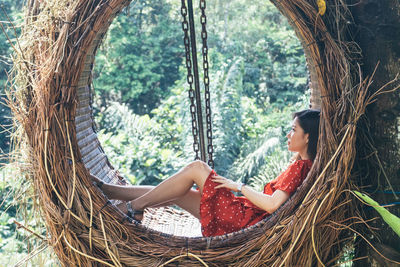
{"x":377,"y":32}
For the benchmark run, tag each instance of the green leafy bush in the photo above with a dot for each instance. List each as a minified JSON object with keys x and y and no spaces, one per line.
{"x":141,"y":55}
{"x":135,"y":147}
{"x":16,"y":244}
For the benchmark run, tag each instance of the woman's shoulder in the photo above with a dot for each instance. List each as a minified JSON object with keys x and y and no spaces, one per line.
{"x":301,"y":163}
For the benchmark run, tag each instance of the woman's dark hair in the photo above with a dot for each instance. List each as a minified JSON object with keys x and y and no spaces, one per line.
{"x":309,"y":121}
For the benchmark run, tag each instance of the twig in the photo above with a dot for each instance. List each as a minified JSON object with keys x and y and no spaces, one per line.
{"x":19,"y":225}
{"x":31,"y":255}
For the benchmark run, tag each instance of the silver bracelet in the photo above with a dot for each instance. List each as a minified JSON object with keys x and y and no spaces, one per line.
{"x":240,"y":186}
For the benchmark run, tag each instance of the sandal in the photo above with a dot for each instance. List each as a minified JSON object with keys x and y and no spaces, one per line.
{"x":97,"y":182}
{"x":133,"y":213}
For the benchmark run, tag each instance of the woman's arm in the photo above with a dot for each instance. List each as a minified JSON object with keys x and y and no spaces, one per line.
{"x":261,"y":200}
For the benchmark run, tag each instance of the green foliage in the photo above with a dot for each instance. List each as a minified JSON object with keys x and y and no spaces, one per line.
{"x":274,"y":162}
{"x":140,"y":58}
{"x":274,"y":63}
{"x":9,"y":11}
{"x":257,"y":69}
{"x":227,"y":115}
{"x":392,"y":220}
{"x":134,"y":146}
{"x":139,"y":61}
{"x":174,"y":120}
{"x":16,"y":244}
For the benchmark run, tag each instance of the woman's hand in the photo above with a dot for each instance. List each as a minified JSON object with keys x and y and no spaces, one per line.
{"x":225,"y":183}
{"x":261,"y":200}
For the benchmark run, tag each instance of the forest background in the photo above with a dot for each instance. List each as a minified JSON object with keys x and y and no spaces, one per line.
{"x":141,"y":105}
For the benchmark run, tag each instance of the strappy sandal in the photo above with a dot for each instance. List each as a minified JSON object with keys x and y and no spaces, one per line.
{"x":97,"y":182}
{"x":99,"y":185}
{"x":132,"y":213}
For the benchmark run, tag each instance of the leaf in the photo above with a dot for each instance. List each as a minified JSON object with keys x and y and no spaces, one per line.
{"x":321,"y":7}
{"x":389,"y":218}
{"x":149,"y":162}
{"x":165,"y":154}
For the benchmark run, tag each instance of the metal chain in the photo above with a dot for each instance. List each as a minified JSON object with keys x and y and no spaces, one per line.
{"x":185,"y":27}
{"x":197,"y":92}
{"x":206,"y":79}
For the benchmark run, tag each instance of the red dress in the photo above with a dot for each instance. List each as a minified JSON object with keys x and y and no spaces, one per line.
{"x":222,"y":212}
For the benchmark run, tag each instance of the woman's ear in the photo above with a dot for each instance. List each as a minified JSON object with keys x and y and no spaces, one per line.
{"x":307,"y":137}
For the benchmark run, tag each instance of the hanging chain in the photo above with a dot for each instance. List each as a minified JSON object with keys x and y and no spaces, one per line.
{"x":203,"y":21}
{"x":195,"y":132}
{"x":192,"y":77}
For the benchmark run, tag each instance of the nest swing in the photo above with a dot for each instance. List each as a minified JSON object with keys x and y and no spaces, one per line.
{"x":51,"y":102}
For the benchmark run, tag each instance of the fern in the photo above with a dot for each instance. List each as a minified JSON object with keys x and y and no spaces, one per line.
{"x":275,"y":163}
{"x":227,"y":116}
{"x":254,"y":154}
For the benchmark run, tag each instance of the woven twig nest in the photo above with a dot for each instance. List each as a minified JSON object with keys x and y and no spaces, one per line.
{"x":52,"y":104}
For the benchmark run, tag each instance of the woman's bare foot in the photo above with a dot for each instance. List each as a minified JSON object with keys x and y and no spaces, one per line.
{"x":104,"y":187}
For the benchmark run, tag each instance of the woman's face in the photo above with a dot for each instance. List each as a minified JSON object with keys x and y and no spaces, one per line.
{"x":297,"y":139}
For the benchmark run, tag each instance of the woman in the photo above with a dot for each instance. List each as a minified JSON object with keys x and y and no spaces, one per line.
{"x":217,"y":208}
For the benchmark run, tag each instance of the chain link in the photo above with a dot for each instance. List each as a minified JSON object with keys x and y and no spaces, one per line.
{"x":185,"y":28}
{"x":206,"y":79}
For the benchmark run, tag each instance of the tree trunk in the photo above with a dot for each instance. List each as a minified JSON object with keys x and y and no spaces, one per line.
{"x":377,"y":32}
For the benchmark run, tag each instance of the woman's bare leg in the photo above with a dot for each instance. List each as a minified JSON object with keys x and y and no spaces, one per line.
{"x":176,"y":187}
{"x":175,"y":190}
{"x":189,"y":202}
{"x":125,"y":192}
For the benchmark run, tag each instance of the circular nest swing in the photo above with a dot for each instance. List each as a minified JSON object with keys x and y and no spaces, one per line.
{"x":51,"y":101}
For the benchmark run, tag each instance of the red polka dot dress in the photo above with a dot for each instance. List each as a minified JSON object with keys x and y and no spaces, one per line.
{"x":222,"y":212}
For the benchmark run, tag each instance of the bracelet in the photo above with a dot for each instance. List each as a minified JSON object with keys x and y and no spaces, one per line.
{"x":240,"y":186}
